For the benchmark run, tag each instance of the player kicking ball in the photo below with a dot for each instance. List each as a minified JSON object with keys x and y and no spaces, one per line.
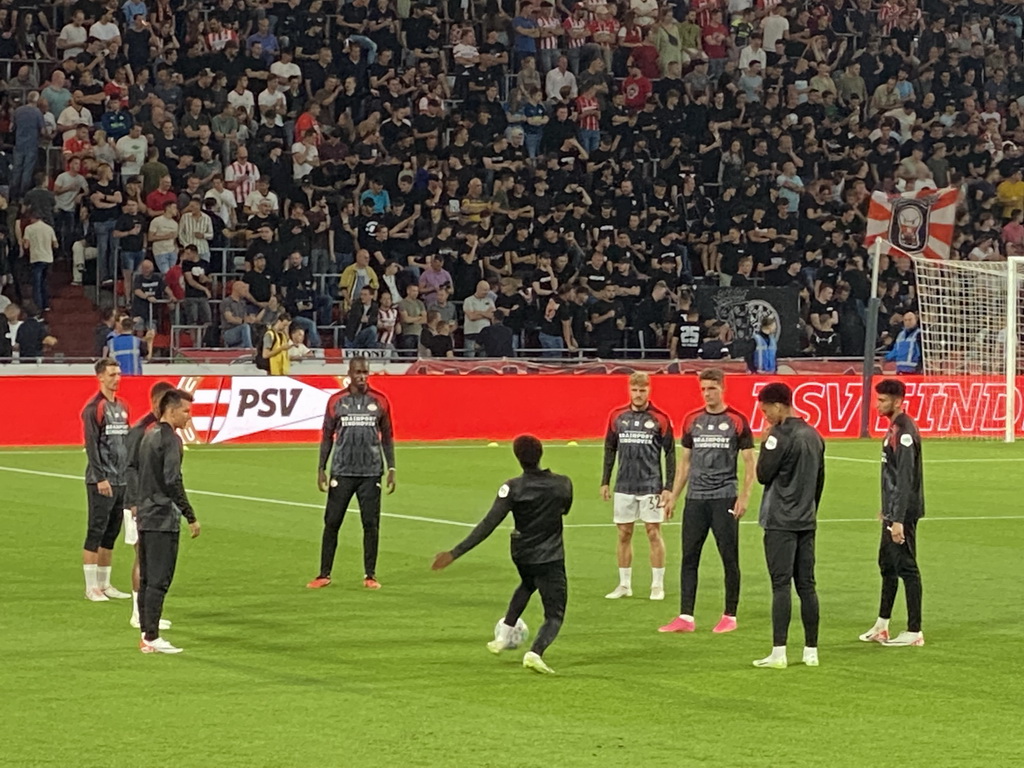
{"x":637,"y":435}
{"x":538,"y":500}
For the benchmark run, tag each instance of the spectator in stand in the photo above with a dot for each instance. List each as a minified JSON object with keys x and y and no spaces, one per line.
{"x":39,"y":241}
{"x":412,"y":315}
{"x":198,"y":285}
{"x":29,"y":128}
{"x":69,"y":189}
{"x":105,"y":201}
{"x":432,"y":279}
{"x":148,"y":291}
{"x":163,"y":237}
{"x":130,"y":230}
{"x":32,"y":337}
{"x":361,"y":322}
{"x":235,"y":317}
{"x":479,"y":311}
{"x":355,"y":277}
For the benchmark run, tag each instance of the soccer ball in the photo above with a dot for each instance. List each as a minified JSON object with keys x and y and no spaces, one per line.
{"x":520,"y":632}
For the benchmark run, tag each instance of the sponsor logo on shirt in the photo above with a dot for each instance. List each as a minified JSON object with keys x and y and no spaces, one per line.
{"x":631,"y":437}
{"x":711,"y":441}
{"x":358,"y":420}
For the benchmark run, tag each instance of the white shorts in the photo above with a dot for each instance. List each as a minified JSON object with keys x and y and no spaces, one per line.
{"x":131,"y":530}
{"x":630,"y":508}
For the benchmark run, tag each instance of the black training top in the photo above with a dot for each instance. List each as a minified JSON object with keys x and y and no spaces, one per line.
{"x":791,"y":467}
{"x":161,"y":489}
{"x":537,"y":499}
{"x":902,"y":476}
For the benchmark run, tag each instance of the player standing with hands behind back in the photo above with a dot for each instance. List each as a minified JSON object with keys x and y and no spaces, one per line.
{"x":638,"y":434}
{"x":902,"y":507}
{"x":791,"y":467}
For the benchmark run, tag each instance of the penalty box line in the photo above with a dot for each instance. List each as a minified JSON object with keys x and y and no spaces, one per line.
{"x":462,"y":524}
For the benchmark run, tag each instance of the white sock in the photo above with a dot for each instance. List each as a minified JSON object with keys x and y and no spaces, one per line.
{"x":135,"y":606}
{"x":90,"y":577}
{"x":103,"y":576}
{"x":658,"y":577}
{"x":626,"y":578}
{"x":882,"y":624}
{"x":809,"y":651}
{"x":686,"y":617}
{"x":778,"y":651}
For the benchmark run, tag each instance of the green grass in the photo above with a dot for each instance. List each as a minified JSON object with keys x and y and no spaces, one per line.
{"x":276,"y":675}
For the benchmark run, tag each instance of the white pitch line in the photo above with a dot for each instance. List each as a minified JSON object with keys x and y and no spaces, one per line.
{"x":279,"y":502}
{"x":399,"y":447}
{"x":462,"y":524}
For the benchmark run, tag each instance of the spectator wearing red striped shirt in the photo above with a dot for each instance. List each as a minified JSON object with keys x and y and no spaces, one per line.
{"x":588,"y":118}
{"x":603,"y":32}
{"x":576,"y":33}
{"x":549,"y":27}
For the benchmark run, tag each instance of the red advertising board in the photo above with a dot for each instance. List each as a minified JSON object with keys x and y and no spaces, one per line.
{"x":44,"y":410}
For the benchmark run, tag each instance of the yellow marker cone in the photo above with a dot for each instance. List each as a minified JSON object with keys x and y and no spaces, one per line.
{"x":492,"y":445}
{"x":573,"y":443}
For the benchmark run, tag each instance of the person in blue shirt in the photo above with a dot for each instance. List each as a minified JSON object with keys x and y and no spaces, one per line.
{"x":525,"y":26}
{"x":127,"y":348}
{"x":116,"y":122}
{"x":132,"y":9}
{"x":378,"y":196}
{"x":906,"y":350}
{"x":765,"y":359}
{"x":534,"y":116}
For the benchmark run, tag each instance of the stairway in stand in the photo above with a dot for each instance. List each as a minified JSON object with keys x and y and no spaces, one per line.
{"x":74,"y":316}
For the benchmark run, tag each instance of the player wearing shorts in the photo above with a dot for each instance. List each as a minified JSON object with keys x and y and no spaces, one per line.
{"x":105,"y":424}
{"x":637,"y":435}
{"x":131,"y":529}
{"x":712,"y":440}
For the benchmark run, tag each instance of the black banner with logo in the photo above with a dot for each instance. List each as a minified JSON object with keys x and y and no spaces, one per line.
{"x":744,"y":309}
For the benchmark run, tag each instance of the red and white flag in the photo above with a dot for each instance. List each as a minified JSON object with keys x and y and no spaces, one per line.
{"x":915,"y":223}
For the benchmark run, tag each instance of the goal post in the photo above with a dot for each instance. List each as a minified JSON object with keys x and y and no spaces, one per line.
{"x":1015,"y":265}
{"x":970,"y":319}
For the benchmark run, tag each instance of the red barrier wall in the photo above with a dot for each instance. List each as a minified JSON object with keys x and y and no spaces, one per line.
{"x":45,"y":410}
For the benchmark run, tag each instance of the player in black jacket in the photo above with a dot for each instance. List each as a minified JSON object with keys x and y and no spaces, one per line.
{"x":357,"y":428}
{"x":105,"y":425}
{"x":791,"y":467}
{"x":131,"y":502}
{"x":162,"y":502}
{"x":538,"y":500}
{"x":902,"y":507}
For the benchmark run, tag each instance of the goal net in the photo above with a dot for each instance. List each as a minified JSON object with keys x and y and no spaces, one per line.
{"x":971,"y":316}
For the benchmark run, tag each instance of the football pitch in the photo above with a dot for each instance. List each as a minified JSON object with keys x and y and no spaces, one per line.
{"x":278,"y":675}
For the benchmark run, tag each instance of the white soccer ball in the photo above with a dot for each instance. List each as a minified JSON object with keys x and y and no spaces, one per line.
{"x":520,"y":632}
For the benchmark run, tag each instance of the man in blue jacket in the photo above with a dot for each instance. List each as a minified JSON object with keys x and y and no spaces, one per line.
{"x":906,"y":350}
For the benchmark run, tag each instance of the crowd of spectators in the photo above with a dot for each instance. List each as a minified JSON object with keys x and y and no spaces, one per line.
{"x":452,"y":176}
